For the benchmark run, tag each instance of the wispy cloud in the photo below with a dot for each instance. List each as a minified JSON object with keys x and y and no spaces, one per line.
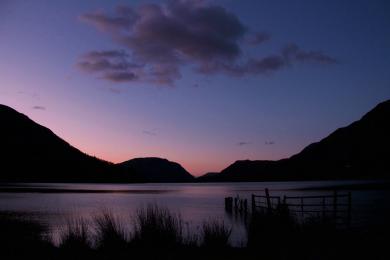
{"x":292,"y":53}
{"x":115,"y":90}
{"x":258,"y":38}
{"x":243,"y":143}
{"x":39,"y":107}
{"x":159,"y":39}
{"x":152,"y":132}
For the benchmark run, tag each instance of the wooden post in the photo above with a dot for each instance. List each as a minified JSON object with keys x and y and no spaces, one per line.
{"x":269,"y":206}
{"x":323,"y":209}
{"x":253,"y":204}
{"x":335,"y":207}
{"x":229,"y":204}
{"x":349,"y":209}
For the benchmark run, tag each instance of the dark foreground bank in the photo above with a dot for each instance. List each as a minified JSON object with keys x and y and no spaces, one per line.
{"x":159,"y":234}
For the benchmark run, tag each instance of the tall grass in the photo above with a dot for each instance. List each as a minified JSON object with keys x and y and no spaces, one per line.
{"x":215,"y":234}
{"x":110,"y":232}
{"x":76,"y":235}
{"x":152,"y":227}
{"x":158,"y":227}
{"x":157,"y":233}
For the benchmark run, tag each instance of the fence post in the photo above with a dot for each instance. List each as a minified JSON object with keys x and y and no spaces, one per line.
{"x":335,"y":207}
{"x":349,"y":209}
{"x":269,"y":206}
{"x":229,"y":204}
{"x":253,"y":204}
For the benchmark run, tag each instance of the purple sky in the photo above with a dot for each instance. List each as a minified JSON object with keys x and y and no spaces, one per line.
{"x":203,"y":83}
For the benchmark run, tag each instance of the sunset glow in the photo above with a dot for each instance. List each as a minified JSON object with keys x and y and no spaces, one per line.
{"x":289,"y":75}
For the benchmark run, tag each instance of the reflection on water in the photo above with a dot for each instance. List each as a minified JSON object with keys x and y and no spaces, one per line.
{"x":56,"y":203}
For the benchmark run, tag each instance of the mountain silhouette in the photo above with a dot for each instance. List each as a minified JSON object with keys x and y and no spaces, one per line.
{"x":157,"y":170}
{"x":30,"y":152}
{"x":360,"y":150}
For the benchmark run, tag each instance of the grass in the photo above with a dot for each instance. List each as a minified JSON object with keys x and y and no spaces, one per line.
{"x":110,"y":232}
{"x":153,"y":230}
{"x":215,"y":235}
{"x":158,"y":227}
{"x":157,"y":233}
{"x":76,"y":235}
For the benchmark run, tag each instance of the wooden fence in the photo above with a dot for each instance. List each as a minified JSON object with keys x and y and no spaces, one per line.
{"x":334,"y":207}
{"x":237,"y":204}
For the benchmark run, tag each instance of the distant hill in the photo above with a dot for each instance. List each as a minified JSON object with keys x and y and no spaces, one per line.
{"x":207,"y":176}
{"x":360,"y":150}
{"x":30,"y":152}
{"x":157,"y":170}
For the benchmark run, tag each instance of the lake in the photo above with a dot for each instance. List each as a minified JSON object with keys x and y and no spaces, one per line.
{"x":56,"y":203}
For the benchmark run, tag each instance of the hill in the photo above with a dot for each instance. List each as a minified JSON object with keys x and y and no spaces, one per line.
{"x":30,"y":152}
{"x":360,"y":150}
{"x":157,"y":170}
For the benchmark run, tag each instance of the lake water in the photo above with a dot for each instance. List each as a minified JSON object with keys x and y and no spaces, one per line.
{"x":56,"y":203}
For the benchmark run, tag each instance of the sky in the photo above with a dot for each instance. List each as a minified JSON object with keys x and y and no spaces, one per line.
{"x":202,"y":83}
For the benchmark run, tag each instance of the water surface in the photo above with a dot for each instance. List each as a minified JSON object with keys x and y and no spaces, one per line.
{"x":56,"y":203}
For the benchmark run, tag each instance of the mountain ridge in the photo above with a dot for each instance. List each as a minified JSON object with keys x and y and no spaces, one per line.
{"x":359,"y":150}
{"x":157,"y":169}
{"x":30,"y":152}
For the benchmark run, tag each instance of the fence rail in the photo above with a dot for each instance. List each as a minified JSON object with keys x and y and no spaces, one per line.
{"x":334,"y":207}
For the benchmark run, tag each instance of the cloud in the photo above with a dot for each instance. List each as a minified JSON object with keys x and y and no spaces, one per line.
{"x":158,"y":40}
{"x":258,"y":38}
{"x":115,"y":90}
{"x":243,"y":143}
{"x":120,"y":76}
{"x":269,"y":142}
{"x":293,"y":53}
{"x":289,"y":55}
{"x":150,"y":132}
{"x":114,"y":65}
{"x":39,"y":107}
{"x":124,"y":19}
